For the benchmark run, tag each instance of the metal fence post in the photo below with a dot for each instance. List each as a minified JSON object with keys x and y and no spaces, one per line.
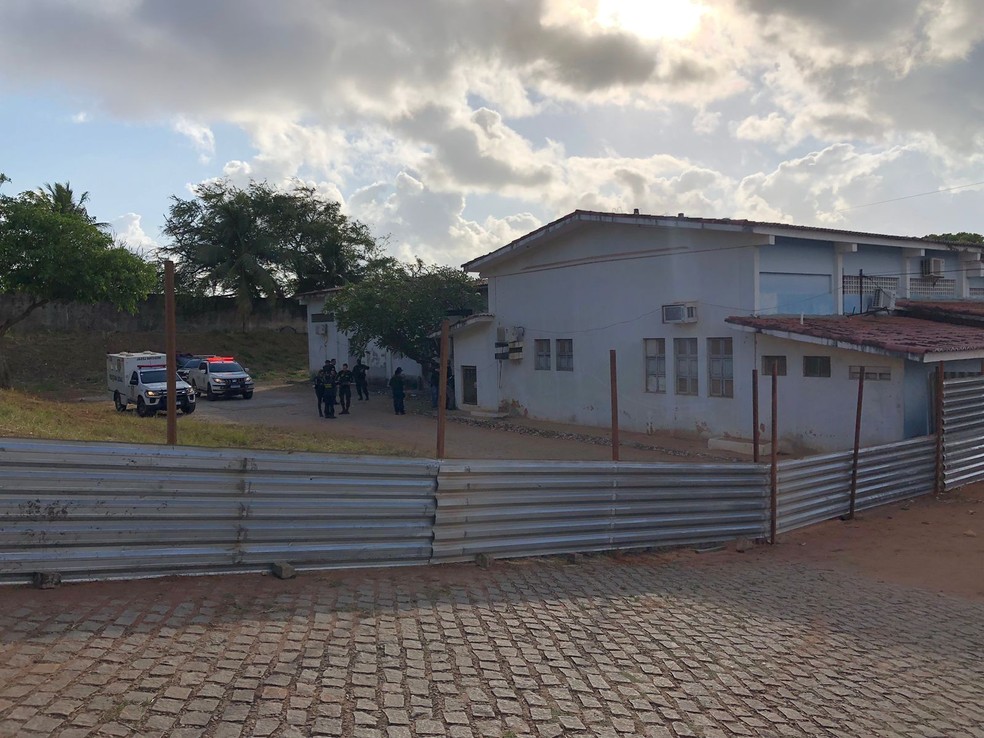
{"x":774,"y":466}
{"x":939,"y":484}
{"x":857,"y":448}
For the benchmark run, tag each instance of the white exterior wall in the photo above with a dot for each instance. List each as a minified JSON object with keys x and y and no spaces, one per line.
{"x":474,"y":345}
{"x":818,"y":413}
{"x":326,"y":342}
{"x":614,"y":302}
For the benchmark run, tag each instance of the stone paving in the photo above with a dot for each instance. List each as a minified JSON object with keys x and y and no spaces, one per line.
{"x":643,"y":645}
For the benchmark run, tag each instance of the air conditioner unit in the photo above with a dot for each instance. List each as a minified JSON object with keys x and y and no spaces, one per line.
{"x":932,"y":267}
{"x":515,"y":334}
{"x":683,"y":312}
{"x":883,"y":300}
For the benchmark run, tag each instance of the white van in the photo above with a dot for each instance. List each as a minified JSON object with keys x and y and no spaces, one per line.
{"x":141,"y":378}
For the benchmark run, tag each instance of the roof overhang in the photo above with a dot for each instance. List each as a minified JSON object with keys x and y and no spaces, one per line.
{"x":466,"y":323}
{"x":973,"y":347}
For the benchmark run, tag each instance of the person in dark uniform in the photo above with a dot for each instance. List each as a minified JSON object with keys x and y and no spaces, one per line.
{"x":396,"y":385}
{"x":359,"y":375}
{"x":345,"y":389}
{"x":435,"y":384}
{"x":319,"y":387}
{"x":331,"y":382}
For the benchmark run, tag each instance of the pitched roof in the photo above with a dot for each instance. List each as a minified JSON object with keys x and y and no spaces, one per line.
{"x":578,"y":217}
{"x":891,"y":335}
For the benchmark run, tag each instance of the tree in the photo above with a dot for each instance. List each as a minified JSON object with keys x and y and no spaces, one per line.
{"x":399,"y":305}
{"x":50,"y":255}
{"x":261,"y":242}
{"x":962,"y":237}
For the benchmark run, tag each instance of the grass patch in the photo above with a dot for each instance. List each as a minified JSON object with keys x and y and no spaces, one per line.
{"x":70,"y":364}
{"x":24,"y":415}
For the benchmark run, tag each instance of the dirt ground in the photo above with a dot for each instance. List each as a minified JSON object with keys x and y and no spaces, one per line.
{"x":928,"y":543}
{"x":294,"y":406}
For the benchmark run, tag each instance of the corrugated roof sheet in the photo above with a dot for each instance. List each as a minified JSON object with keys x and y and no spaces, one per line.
{"x":890,"y":333}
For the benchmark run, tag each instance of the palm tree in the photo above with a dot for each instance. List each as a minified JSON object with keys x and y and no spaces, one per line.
{"x":61,"y":199}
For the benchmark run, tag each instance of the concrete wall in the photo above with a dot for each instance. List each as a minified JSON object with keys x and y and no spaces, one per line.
{"x":193,"y":314}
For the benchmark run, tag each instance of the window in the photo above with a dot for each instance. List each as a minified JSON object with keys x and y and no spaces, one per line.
{"x":768,"y":362}
{"x":655,"y":364}
{"x":816,"y":366}
{"x":685,"y":353}
{"x":877,"y":373}
{"x":565,"y":354}
{"x":720,"y":367}
{"x":541,"y":350}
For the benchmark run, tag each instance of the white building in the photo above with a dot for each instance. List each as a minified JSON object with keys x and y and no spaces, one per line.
{"x":692,"y":305}
{"x":326,"y":342}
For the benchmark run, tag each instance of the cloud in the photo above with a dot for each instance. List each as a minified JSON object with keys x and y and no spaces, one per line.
{"x":128,"y":230}
{"x":200,"y":135}
{"x":81,"y":117}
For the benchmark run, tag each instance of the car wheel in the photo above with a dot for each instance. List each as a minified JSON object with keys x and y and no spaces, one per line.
{"x":118,"y":401}
{"x":188,"y":408}
{"x":208,"y":392}
{"x":142,"y":410}
{"x":248,"y":395}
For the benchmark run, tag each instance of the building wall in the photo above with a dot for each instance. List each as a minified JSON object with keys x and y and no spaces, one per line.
{"x":475,"y":346}
{"x":614,"y":303}
{"x":603,"y":286}
{"x":326,"y":342}
{"x":819,"y":413}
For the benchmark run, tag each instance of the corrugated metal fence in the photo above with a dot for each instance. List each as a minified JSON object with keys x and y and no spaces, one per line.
{"x":90,"y":510}
{"x":513,"y":508}
{"x":818,"y":488}
{"x":963,"y":431}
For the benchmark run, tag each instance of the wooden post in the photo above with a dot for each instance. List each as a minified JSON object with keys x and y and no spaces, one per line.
{"x":939,"y":483}
{"x":857,"y":448}
{"x":442,"y":390}
{"x":774,"y":469}
{"x":171,"y":347}
{"x":756,"y":434}
{"x":614,"y":383}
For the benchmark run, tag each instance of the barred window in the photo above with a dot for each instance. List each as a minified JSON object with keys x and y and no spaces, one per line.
{"x":685,"y":355}
{"x":877,"y":373}
{"x":779,"y":362}
{"x":565,"y":354}
{"x":541,"y":351}
{"x":655,"y":364}
{"x":816,"y":366}
{"x":720,"y":367}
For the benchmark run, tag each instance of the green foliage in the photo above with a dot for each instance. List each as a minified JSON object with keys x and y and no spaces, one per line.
{"x":399,"y":305}
{"x":261,"y":242}
{"x":51,"y":253}
{"x":962,"y":237}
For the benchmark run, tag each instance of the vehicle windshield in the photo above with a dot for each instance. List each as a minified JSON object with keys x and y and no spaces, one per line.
{"x":153,"y":376}
{"x":224,"y":366}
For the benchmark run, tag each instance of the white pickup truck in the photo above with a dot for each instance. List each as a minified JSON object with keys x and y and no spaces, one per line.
{"x":220,"y":376}
{"x":141,"y":378}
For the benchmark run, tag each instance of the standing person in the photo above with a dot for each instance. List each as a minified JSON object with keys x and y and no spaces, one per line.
{"x":435,"y":384}
{"x":345,"y":389}
{"x":331,"y":380}
{"x":319,"y":387}
{"x":359,"y":374}
{"x":396,"y":384}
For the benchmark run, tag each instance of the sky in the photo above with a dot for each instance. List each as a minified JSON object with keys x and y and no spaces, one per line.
{"x":451,"y":127}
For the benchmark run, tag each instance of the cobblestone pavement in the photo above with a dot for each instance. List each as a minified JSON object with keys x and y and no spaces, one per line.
{"x":642,"y":645}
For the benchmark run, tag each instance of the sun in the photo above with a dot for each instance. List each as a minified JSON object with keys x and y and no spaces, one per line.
{"x":650,"y":18}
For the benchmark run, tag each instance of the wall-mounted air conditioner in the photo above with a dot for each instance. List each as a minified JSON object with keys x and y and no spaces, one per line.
{"x":932,"y":267}
{"x":883,"y":300}
{"x":681,"y":312}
